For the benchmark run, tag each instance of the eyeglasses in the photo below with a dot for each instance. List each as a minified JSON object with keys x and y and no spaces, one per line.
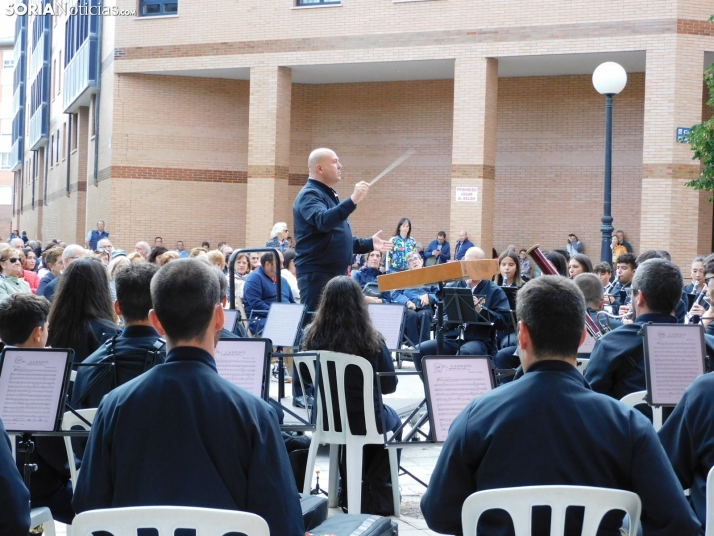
{"x":708,"y":279}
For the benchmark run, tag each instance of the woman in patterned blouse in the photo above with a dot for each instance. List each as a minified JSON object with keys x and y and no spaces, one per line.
{"x":403,"y":245}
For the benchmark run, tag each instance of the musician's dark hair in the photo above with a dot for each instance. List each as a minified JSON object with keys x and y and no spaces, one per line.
{"x":20,"y":314}
{"x":185,"y":293}
{"x":591,"y":287}
{"x":288,"y":256}
{"x":133,"y":285}
{"x":402,"y":222}
{"x":342,"y":322}
{"x":559,"y":261}
{"x":553,"y":310}
{"x":628,"y":258}
{"x":647,"y":255}
{"x":661,"y":283}
{"x":156,"y":252}
{"x":517,"y":279}
{"x":82,"y":296}
{"x":564,"y":253}
{"x":584,"y":261}
{"x":602,"y":268}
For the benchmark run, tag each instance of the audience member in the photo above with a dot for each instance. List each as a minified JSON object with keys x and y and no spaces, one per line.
{"x":462,"y":245}
{"x":242,"y":270}
{"x":112,"y":270}
{"x":579,"y":264}
{"x":279,"y":237}
{"x":289,"y":274}
{"x":574,"y":246}
{"x":526,"y":265}
{"x":103,"y":256}
{"x":261,"y":290}
{"x":197,"y":252}
{"x":69,"y":254}
{"x":217,"y":259}
{"x":368,"y":274}
{"x":95,"y":235}
{"x":549,"y":428}
{"x":105,"y":245}
{"x":158,"y":242}
{"x":206,"y":246}
{"x":82,"y":316}
{"x":52,"y":259}
{"x":418,"y":301}
{"x":618,"y":246}
{"x":23,"y":323}
{"x":223,"y":293}
{"x":11,"y":273}
{"x":237,"y":461}
{"x":17,"y":243}
{"x":144,"y":248}
{"x":135,"y":256}
{"x":402,"y":245}
{"x":138,"y":348}
{"x":183,"y":253}
{"x":166,"y":258}
{"x":439,"y":249}
{"x":156,"y":252}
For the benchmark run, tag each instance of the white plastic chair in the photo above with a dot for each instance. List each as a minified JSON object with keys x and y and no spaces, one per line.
{"x":42,"y":516}
{"x":353,"y":443}
{"x":69,"y":420}
{"x":640,"y":397}
{"x":166,"y":519}
{"x":582,"y":364}
{"x":519,"y":503}
{"x":710,"y":503}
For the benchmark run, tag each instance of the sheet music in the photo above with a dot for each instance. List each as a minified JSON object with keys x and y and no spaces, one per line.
{"x":30,"y":389}
{"x":387,"y":319}
{"x":588,"y":345}
{"x":452,"y":384}
{"x":674,"y":358}
{"x":283,"y":322}
{"x":242,"y":362}
{"x":230,"y":316}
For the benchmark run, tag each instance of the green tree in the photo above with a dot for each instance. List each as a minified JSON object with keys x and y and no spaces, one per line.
{"x":701,"y":140}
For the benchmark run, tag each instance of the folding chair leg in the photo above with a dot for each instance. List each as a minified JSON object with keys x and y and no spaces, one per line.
{"x":310,"y":468}
{"x":354,"y":478}
{"x":332,"y":490}
{"x":394,"y":470}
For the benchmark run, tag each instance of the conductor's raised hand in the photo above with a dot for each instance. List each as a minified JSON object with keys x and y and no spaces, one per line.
{"x":361,"y":191}
{"x":381,"y":245}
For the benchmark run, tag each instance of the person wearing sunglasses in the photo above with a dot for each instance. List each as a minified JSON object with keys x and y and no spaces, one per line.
{"x":10,"y":272}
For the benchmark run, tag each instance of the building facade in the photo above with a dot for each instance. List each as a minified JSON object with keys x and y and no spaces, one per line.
{"x":194,"y":120}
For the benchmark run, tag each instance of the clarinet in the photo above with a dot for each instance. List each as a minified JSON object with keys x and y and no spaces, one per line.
{"x":548,"y":269}
{"x":695,"y":319}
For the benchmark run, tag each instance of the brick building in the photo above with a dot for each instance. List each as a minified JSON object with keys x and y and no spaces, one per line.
{"x":197,"y":122}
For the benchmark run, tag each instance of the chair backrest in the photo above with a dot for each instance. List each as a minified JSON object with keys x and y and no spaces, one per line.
{"x":166,"y":519}
{"x":640,"y":397}
{"x":519,"y":503}
{"x":326,"y":424}
{"x":70,"y":420}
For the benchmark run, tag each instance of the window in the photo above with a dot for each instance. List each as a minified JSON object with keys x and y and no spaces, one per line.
{"x":8,"y":64}
{"x":74,"y":121}
{"x":57,"y":147}
{"x":63,"y":148}
{"x":54,"y":78}
{"x":317,"y":2}
{"x":152,"y":8}
{"x":5,"y":195}
{"x":59,"y":74}
{"x":52,"y":151}
{"x":5,"y":160}
{"x":92,"y":111}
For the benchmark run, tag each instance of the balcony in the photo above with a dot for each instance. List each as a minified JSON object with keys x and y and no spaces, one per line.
{"x":16,"y":154}
{"x":38,"y":128}
{"x":80,"y":77}
{"x":40,"y":56}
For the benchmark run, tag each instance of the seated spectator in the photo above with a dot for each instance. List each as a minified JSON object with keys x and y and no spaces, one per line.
{"x":288,"y":273}
{"x":604,"y":271}
{"x":417,"y":322}
{"x":254,"y":260}
{"x":279,"y":237}
{"x":82,"y":314}
{"x":235,"y":462}
{"x":144,"y":249}
{"x":242,"y":270}
{"x":112,"y":270}
{"x":217,"y":259}
{"x":206,"y":246}
{"x":550,"y":428}
{"x":69,"y":255}
{"x":158,"y":242}
{"x":105,"y":245}
{"x":166,"y":258}
{"x":14,"y":496}
{"x":136,"y":257}
{"x":138,"y":348}
{"x":29,"y":269}
{"x":11,"y":272}
{"x":181,"y":250}
{"x":52,"y":259}
{"x":368,"y":274}
{"x":195,"y":252}
{"x":261,"y":290}
{"x":525,"y":264}
{"x":23,"y":323}
{"x":156,"y":252}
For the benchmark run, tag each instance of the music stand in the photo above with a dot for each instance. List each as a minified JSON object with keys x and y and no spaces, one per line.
{"x":244,"y":362}
{"x":674,"y":357}
{"x":388,"y":319}
{"x":511,"y":293}
{"x":284,"y":323}
{"x":232,"y":316}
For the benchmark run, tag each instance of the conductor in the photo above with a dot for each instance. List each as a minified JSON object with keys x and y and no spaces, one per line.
{"x":323,"y":237}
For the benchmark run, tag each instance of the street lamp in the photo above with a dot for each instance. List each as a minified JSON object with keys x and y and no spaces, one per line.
{"x":609,"y":79}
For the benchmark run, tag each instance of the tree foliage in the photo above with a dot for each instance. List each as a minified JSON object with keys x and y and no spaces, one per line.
{"x":701,"y":140}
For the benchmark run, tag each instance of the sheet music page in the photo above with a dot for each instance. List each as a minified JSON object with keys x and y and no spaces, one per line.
{"x":387,"y":319}
{"x":453,"y":384}
{"x":283,"y":323}
{"x":242,"y":362}
{"x":588,"y":345}
{"x":30,"y":388}
{"x":230,"y":318}
{"x":674,"y":355}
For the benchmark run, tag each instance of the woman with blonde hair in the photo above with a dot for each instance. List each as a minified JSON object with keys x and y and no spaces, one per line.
{"x":167,"y":257}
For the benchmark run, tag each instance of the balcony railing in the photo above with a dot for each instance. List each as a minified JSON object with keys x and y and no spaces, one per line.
{"x":16,"y":154}
{"x":38,"y":128}
{"x":38,"y":59}
{"x":80,"y":77}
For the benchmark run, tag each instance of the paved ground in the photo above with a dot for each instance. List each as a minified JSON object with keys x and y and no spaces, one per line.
{"x":419,"y":460}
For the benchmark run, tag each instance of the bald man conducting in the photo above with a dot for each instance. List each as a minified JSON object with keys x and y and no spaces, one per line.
{"x":323,"y":238}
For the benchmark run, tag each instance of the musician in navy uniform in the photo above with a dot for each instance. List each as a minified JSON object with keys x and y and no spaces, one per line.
{"x":138,"y":348}
{"x":626,"y":268}
{"x":616,"y":365}
{"x":180,"y":434}
{"x":14,"y":496}
{"x":550,"y":428}
{"x":495,"y":308}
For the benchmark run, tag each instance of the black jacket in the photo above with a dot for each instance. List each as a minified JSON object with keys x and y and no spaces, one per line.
{"x":14,"y":497}
{"x":323,"y":236}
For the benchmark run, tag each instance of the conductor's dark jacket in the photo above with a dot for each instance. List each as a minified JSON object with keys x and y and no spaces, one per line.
{"x":182,"y":435}
{"x":14,"y":497}
{"x":323,"y":236}
{"x":550,"y":428}
{"x":688,"y":440}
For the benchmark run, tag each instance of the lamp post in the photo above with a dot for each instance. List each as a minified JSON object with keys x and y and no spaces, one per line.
{"x":609,"y":79}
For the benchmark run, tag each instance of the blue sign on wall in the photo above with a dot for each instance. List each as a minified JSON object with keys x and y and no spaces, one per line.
{"x":683,"y":134}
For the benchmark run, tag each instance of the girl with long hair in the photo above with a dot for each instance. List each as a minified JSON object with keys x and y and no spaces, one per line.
{"x":509,"y":267}
{"x":579,"y":264}
{"x":404,"y":244}
{"x":82,"y":314}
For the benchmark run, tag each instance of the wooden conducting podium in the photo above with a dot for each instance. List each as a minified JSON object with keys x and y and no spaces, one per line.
{"x":439,"y":275}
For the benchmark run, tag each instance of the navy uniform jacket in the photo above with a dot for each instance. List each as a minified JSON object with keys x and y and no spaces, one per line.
{"x":323,"y":236}
{"x":46,"y":280}
{"x":549,"y":428}
{"x":369,"y":275}
{"x":688,"y":440}
{"x":181,"y":435}
{"x":496,"y":310}
{"x":613,"y":349}
{"x":445,"y":251}
{"x":48,"y":290}
{"x":134,"y":353}
{"x":14,"y":496}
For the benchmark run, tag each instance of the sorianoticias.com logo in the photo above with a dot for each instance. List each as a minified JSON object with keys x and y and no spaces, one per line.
{"x":57,"y":9}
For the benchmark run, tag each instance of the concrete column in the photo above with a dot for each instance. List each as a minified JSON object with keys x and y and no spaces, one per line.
{"x":473,"y":160}
{"x":268,"y":152}
{"x":671,"y":217}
